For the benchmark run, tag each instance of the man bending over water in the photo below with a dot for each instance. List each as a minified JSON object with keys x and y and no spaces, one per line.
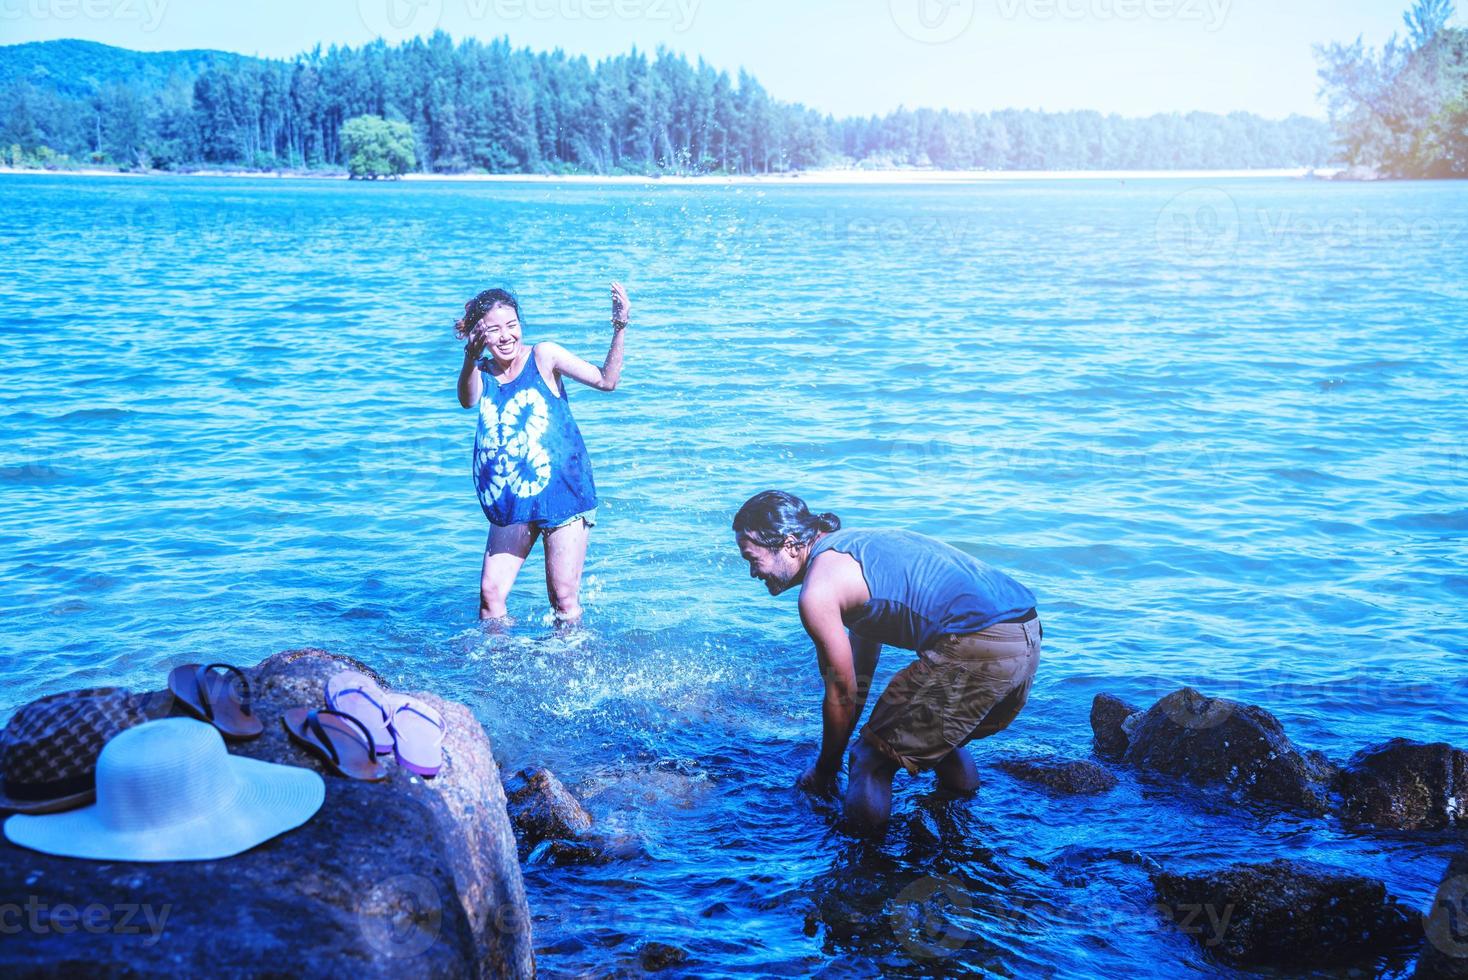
{"x":975,"y":630}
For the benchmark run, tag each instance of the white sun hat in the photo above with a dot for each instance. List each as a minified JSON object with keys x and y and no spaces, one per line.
{"x":170,"y":791}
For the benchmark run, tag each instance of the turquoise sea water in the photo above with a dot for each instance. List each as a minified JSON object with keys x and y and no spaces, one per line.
{"x":1218,"y":427}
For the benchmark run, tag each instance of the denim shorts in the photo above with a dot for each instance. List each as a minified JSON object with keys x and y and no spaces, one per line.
{"x":589,"y":516}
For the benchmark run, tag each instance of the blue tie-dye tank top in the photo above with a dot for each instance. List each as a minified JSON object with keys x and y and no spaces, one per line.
{"x":530,"y":463}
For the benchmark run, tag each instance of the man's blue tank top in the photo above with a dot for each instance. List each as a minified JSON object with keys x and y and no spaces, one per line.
{"x":923,"y":589}
{"x":530,"y":463}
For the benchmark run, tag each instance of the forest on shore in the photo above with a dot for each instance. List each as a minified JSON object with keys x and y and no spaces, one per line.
{"x":486,"y":107}
{"x":470,"y":106}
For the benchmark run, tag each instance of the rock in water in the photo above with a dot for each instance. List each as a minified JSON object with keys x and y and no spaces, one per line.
{"x":1445,"y":957}
{"x":1287,"y":913}
{"x":404,"y":875}
{"x":656,"y":956}
{"x":543,"y":809}
{"x":1109,"y":717}
{"x":1214,"y":741}
{"x":1070,"y":778}
{"x":1406,"y":785}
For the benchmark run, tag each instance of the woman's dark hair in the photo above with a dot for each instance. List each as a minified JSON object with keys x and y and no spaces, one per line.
{"x":769,"y":518}
{"x":475,"y":309}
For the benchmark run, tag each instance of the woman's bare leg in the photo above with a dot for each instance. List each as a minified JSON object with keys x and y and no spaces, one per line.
{"x":565,"y":557}
{"x":504,"y":553}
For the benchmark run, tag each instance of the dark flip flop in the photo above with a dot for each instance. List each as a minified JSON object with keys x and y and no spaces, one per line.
{"x":341,"y":740}
{"x":212,"y":697}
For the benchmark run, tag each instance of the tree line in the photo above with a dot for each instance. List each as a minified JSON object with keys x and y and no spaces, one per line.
{"x":1403,"y":111}
{"x":477,"y":106}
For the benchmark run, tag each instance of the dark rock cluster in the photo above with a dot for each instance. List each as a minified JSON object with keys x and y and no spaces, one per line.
{"x":1287,"y":912}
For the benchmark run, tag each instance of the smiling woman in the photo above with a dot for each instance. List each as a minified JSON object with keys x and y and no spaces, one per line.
{"x":531,"y":470}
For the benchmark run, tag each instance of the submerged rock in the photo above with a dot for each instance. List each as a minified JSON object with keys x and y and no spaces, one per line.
{"x":542,"y":809}
{"x":1071,"y":778}
{"x":594,"y":849}
{"x":1406,"y":785}
{"x":1287,"y":913}
{"x":406,"y":871}
{"x":551,"y":823}
{"x":1214,"y":741}
{"x":659,"y":956}
{"x":1109,"y":719}
{"x":1445,"y":957}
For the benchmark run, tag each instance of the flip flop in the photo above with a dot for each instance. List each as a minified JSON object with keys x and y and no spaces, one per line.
{"x":211,"y":697}
{"x":417,"y":737}
{"x":354,"y":693}
{"x":342,"y":741}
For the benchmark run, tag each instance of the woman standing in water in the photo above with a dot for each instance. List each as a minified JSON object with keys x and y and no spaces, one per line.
{"x":530,"y":464}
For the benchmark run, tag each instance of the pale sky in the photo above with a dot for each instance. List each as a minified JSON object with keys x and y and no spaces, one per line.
{"x":847,"y":57}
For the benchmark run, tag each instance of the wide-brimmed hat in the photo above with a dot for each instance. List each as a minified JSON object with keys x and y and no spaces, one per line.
{"x":48,"y":752}
{"x":170,"y":791}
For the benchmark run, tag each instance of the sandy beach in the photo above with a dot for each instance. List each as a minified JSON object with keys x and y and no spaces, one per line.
{"x":844,"y":177}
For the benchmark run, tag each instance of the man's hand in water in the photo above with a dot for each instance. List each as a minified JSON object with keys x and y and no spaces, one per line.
{"x":817,"y":783}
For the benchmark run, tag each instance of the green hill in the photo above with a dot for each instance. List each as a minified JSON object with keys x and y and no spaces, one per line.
{"x":83,"y":67}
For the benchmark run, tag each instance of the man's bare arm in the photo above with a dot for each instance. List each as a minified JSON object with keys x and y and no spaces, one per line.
{"x":822,"y":618}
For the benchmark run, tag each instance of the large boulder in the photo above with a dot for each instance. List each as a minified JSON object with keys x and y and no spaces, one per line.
{"x":1406,"y":785}
{"x":1445,"y":957}
{"x":402,"y":877}
{"x":1110,"y":718}
{"x":1214,"y":741}
{"x":1287,"y":913}
{"x":1067,"y":778}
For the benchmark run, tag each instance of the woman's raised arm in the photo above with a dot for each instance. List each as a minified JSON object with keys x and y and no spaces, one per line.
{"x":471,"y":385}
{"x":606,"y":377}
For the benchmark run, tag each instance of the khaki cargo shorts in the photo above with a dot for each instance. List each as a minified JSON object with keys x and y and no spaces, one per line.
{"x":966,"y":688}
